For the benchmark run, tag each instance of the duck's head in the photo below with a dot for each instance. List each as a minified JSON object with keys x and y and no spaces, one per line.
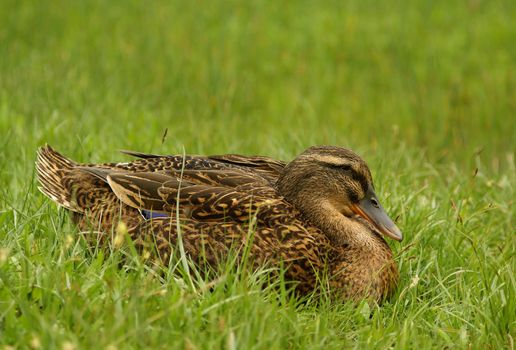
{"x":331,"y":183}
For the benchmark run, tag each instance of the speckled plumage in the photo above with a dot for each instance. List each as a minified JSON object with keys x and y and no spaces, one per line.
{"x":225,"y":202}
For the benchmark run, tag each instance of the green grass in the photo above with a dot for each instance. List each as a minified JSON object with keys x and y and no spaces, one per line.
{"x":424,"y":90}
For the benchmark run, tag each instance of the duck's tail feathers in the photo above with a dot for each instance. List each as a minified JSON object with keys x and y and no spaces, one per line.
{"x":52,"y":168}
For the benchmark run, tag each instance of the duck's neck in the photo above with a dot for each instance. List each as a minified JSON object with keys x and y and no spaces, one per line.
{"x":365,"y":264}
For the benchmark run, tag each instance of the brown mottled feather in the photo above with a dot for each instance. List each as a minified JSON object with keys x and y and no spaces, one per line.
{"x":267,"y":168}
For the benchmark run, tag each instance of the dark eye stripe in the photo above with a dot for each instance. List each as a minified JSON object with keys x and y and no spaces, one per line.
{"x":358,"y":177}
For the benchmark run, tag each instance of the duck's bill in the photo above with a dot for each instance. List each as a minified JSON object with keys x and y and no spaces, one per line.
{"x":370,"y":209}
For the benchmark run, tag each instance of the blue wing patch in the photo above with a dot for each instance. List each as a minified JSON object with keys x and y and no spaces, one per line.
{"x":147,"y":214}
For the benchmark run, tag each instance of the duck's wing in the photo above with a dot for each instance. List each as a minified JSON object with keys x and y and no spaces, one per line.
{"x":266,"y":167}
{"x":209,"y":195}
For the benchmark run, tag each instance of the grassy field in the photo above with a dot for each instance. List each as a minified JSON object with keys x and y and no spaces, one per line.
{"x":425,"y":91}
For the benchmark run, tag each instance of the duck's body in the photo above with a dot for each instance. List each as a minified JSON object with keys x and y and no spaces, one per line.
{"x":223,"y":202}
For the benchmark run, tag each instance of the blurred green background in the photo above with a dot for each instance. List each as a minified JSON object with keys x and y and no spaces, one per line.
{"x":261,"y":76}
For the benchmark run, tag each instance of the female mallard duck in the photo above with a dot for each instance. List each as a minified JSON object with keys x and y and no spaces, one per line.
{"x":318,"y":213}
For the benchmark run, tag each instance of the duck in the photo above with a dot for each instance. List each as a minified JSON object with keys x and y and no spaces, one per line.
{"x":315,"y":215}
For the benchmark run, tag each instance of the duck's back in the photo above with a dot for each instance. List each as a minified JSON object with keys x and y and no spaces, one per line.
{"x":80,"y":187}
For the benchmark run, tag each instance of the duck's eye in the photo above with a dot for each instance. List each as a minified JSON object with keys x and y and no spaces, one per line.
{"x":374,"y":202}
